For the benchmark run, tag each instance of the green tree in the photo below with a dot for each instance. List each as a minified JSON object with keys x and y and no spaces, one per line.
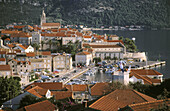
{"x":96,"y":60}
{"x":42,"y":44}
{"x":9,"y":88}
{"x":50,"y":44}
{"x":36,"y":46}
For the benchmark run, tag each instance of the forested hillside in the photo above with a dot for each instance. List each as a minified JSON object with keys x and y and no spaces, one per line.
{"x":96,"y":13}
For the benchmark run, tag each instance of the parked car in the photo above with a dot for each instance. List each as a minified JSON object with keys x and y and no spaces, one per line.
{"x":38,"y":81}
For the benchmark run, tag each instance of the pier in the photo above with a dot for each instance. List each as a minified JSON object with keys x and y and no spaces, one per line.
{"x":76,"y":75}
{"x":149,"y":64}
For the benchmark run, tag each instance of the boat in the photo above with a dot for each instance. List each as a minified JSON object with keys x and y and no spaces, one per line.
{"x":110,"y":71}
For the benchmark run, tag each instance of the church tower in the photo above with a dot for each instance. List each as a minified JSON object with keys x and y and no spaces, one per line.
{"x":43,"y":17}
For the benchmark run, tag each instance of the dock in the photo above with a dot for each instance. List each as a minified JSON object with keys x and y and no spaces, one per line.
{"x":75,"y":76}
{"x":150,"y":64}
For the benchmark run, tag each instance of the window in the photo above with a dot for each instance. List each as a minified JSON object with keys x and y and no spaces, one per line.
{"x":7,"y":73}
{"x":21,"y":70}
{"x":48,"y":60}
{"x":48,"y":66}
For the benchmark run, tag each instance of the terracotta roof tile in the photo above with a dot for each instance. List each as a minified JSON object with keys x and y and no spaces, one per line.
{"x":88,"y":50}
{"x":47,"y":85}
{"x":114,"y":36}
{"x":147,"y":106}
{"x":31,"y":54}
{"x":76,"y":87}
{"x":102,"y":46}
{"x":22,"y":47}
{"x":115,"y":41}
{"x":19,"y":26}
{"x":63,"y":29}
{"x":41,"y":106}
{"x":146,"y":72}
{"x":2,"y":59}
{"x":3,"y":52}
{"x":61,"y":94}
{"x":7,"y":39}
{"x":11,"y":53}
{"x":87,"y":36}
{"x":83,"y":53}
{"x":5,"y":68}
{"x":51,"y":24}
{"x":22,"y":34}
{"x":9,"y":31}
{"x":146,"y":81}
{"x":119,"y":99}
{"x":34,"y":91}
{"x":10,"y":45}
{"x":99,"y":89}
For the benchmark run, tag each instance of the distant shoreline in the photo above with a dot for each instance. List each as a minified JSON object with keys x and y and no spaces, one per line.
{"x":94,"y":29}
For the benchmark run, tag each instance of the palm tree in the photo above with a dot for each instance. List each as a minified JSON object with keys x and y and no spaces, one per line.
{"x":50,"y":43}
{"x":56,"y":43}
{"x":36,"y":46}
{"x":42,"y":44}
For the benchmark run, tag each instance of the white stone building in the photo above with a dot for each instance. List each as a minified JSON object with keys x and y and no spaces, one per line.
{"x":84,"y":58}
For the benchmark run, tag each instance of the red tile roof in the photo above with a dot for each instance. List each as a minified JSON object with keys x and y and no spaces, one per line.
{"x":9,"y":31}
{"x":22,"y":34}
{"x":145,"y":72}
{"x":61,"y":94}
{"x":51,"y":24}
{"x":10,"y":45}
{"x":35,"y":91}
{"x":49,"y":35}
{"x":47,"y":85}
{"x":99,"y":89}
{"x":19,"y":26}
{"x":114,"y":36}
{"x":115,"y":41}
{"x":22,"y":47}
{"x":5,"y":68}
{"x":119,"y":99}
{"x":86,"y":36}
{"x":30,"y":54}
{"x":147,"y":106}
{"x":102,"y":46}
{"x":63,"y":29}
{"x":3,"y":52}
{"x":79,"y":34}
{"x":41,"y":106}
{"x":88,"y":50}
{"x":83,"y":53}
{"x":2,"y":59}
{"x":146,"y":81}
{"x":76,"y":87}
{"x":44,"y":53}
{"x":11,"y":53}
{"x":7,"y":39}
{"x":61,"y":34}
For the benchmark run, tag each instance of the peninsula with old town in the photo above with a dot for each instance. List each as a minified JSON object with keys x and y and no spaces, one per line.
{"x":52,"y":67}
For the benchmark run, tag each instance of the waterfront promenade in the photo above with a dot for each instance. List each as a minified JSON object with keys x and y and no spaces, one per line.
{"x":148,"y":64}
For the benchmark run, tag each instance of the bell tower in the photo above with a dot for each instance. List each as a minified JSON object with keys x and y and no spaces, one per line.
{"x":43,"y":17}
